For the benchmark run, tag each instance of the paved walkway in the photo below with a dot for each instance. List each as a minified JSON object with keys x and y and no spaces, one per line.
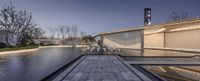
{"x":101,"y":68}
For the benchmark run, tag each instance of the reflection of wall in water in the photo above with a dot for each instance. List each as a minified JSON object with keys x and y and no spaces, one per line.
{"x":178,"y":72}
{"x":131,"y":40}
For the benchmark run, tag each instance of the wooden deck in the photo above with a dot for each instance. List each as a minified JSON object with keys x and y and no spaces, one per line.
{"x":101,"y":68}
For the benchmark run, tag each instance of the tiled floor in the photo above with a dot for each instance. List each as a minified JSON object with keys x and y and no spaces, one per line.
{"x":103,"y":68}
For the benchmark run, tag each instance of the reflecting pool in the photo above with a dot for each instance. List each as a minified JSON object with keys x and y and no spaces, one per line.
{"x":34,"y":66}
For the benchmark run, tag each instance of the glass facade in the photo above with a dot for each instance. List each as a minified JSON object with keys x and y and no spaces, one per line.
{"x":130,"y":40}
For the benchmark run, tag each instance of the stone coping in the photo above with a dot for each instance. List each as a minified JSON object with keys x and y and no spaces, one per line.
{"x":175,"y":49}
{"x":35,"y":49}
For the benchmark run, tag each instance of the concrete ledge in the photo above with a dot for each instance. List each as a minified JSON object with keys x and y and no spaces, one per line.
{"x":19,"y":51}
{"x":62,"y":46}
{"x":35,"y":49}
{"x":68,"y":70}
{"x":55,"y":46}
{"x":175,"y":49}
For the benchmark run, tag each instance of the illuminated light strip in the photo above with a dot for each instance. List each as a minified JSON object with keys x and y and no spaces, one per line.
{"x":56,"y":46}
{"x":18,"y":51}
{"x":186,"y":28}
{"x":63,"y":46}
{"x":30,"y":50}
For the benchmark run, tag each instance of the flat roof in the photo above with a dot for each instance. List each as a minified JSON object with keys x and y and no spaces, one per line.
{"x":165,"y":24}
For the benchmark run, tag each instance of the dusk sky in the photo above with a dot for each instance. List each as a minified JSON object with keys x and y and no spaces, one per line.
{"x":94,"y":16}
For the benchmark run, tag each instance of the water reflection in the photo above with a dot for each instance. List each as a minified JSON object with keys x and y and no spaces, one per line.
{"x":130,"y":52}
{"x":134,"y":52}
{"x":176,"y":73}
{"x":170,"y":73}
{"x":33,"y":66}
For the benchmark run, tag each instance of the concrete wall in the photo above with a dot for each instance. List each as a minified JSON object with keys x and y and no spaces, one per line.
{"x":154,"y":40}
{"x":183,"y":39}
{"x":173,"y":36}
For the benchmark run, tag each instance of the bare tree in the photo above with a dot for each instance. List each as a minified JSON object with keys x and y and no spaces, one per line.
{"x":82,"y":33}
{"x":52,"y":32}
{"x":179,"y":16}
{"x":64,"y":30}
{"x":15,"y":23}
{"x":74,"y":31}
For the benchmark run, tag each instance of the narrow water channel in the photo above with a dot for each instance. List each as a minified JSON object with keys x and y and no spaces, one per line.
{"x":168,"y":72}
{"x":34,"y":66}
{"x":176,"y":73}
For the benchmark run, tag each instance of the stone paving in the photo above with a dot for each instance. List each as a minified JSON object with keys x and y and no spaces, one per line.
{"x":101,"y":68}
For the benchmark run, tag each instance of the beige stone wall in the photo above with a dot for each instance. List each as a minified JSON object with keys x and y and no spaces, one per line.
{"x":176,"y":36}
{"x":154,"y":40}
{"x":184,"y":36}
{"x":183,"y":39}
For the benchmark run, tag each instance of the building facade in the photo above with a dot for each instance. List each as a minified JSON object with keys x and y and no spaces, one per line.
{"x":178,"y":35}
{"x":124,"y":39}
{"x":181,"y":35}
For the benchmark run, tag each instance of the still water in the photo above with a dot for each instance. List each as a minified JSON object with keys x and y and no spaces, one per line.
{"x":147,"y":52}
{"x":34,"y":66}
{"x":170,"y":73}
{"x":176,"y":73}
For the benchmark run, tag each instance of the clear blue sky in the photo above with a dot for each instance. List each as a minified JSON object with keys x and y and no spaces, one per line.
{"x":94,"y":16}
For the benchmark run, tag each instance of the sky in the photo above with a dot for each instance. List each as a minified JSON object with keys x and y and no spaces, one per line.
{"x":95,"y":16}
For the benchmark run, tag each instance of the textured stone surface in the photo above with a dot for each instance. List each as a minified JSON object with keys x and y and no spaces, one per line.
{"x":103,"y":68}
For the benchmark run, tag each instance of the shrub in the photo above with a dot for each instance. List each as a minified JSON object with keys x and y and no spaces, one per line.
{"x":3,"y":45}
{"x":42,"y":44}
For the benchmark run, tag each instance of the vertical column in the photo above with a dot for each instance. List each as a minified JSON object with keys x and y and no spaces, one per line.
{"x":164,"y":42}
{"x":142,"y":40}
{"x":101,"y":39}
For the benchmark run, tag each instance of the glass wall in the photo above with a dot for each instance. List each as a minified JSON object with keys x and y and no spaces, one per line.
{"x":130,"y":40}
